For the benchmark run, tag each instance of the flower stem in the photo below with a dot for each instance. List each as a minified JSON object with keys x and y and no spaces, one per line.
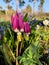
{"x":20,"y":48}
{"x":16,"y":53}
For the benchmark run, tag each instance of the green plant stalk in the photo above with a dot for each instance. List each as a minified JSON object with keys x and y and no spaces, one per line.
{"x":6,"y":57}
{"x":17,"y":52}
{"x":10,"y":53}
{"x":21,"y":46}
{"x":20,"y":49}
{"x":19,"y":38}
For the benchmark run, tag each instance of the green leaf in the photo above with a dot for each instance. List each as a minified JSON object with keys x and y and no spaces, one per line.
{"x":25,"y":18}
{"x":6,"y":57}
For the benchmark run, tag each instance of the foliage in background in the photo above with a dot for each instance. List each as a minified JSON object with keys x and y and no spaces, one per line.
{"x":34,"y":48}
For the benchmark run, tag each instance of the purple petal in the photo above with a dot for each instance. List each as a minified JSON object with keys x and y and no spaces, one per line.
{"x":17,"y":14}
{"x":34,"y":20}
{"x":21,"y":24}
{"x":26,"y":28}
{"x":16,"y":23}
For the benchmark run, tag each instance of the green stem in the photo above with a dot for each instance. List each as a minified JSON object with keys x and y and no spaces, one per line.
{"x":20,"y":48}
{"x":16,"y":53}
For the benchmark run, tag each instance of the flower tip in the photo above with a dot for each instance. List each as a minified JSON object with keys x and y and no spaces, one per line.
{"x":22,"y":30}
{"x":16,"y":30}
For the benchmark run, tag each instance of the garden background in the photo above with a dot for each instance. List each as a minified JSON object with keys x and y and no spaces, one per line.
{"x":24,"y":32}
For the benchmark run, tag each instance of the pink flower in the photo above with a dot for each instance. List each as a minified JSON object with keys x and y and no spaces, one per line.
{"x":26,"y":28}
{"x":15,"y":22}
{"x":21,"y":24}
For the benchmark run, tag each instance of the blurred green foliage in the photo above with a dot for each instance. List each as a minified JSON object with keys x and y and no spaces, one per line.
{"x":34,"y":47}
